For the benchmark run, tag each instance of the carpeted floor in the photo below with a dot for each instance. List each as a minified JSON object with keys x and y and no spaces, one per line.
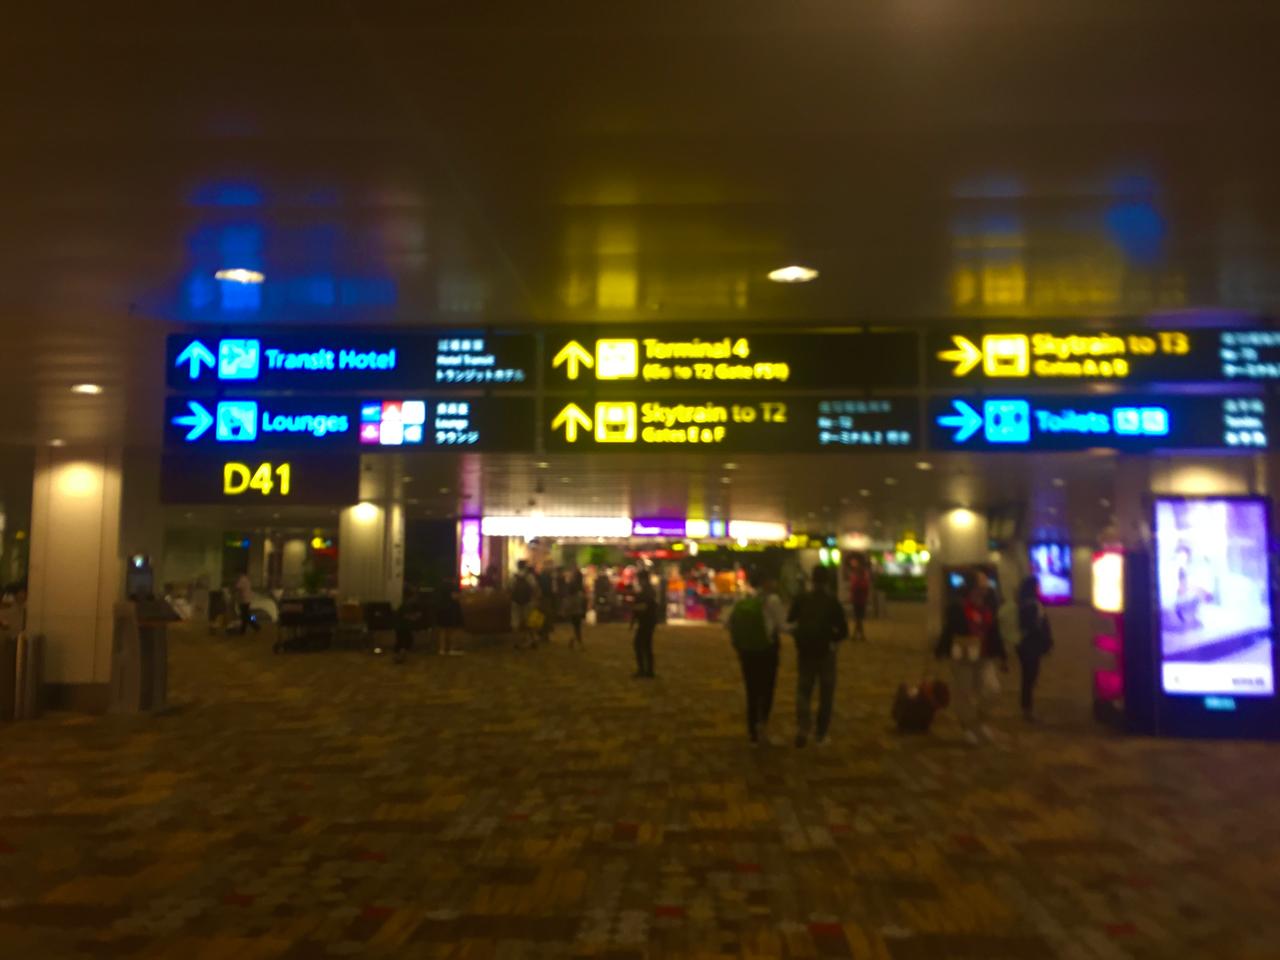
{"x":544,"y":804}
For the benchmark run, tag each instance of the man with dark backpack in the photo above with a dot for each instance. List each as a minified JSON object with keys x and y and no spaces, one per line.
{"x":754,"y":625}
{"x":819,"y":624}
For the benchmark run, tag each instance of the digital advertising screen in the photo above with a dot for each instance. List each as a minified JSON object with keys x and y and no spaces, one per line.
{"x":1215,"y":618}
{"x":1051,"y":566}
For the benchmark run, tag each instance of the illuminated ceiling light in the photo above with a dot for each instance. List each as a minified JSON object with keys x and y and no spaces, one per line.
{"x":56,"y":442}
{"x":240,"y":275}
{"x":88,"y":389}
{"x":793,"y":274}
{"x":923,"y":465}
{"x":730,"y":466}
{"x":865,"y":492}
{"x":543,"y":465}
{"x":725,"y":480}
{"x":890,"y":480}
{"x":566,"y":480}
{"x":1059,"y":482}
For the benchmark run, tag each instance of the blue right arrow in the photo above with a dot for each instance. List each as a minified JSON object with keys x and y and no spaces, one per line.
{"x":199,"y":420}
{"x":966,"y":420}
{"x":196,"y":354}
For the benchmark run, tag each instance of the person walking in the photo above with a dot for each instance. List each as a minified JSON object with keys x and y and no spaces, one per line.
{"x":819,"y":624}
{"x":573,"y":605}
{"x":244,"y":603}
{"x":1036,"y":641}
{"x":755,"y":624}
{"x":524,"y":590}
{"x":859,"y":594}
{"x":971,"y":640}
{"x":644,"y":621}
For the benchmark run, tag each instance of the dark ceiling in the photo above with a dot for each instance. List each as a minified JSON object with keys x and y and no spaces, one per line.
{"x":424,"y":162}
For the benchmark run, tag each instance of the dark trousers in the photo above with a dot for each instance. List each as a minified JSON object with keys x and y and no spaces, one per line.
{"x":644,"y":649}
{"x":246,"y":620}
{"x":822,"y":669}
{"x":759,"y":675}
{"x":1030,"y":674}
{"x":859,"y":615}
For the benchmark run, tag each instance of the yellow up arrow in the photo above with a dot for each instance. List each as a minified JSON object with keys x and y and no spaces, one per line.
{"x":965,"y":356}
{"x":572,"y":354}
{"x":571,"y":418}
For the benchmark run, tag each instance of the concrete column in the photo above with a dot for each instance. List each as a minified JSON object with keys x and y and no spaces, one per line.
{"x":371,"y":552}
{"x":76,"y":572}
{"x":955,"y":537}
{"x":293,"y":563}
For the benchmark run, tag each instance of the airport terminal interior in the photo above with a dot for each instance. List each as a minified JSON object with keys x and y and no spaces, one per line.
{"x":586,"y":480}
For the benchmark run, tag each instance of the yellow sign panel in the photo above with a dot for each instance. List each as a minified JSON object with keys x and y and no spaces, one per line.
{"x":615,"y":422}
{"x":617,"y":359}
{"x":1100,"y":356}
{"x":264,"y":479}
{"x":653,"y":360}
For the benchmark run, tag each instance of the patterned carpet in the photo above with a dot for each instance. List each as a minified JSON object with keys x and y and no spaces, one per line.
{"x":543,"y":804}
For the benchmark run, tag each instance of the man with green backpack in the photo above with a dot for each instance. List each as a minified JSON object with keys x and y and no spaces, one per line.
{"x":755,"y":624}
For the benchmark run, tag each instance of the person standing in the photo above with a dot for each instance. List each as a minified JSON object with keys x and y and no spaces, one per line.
{"x":819,"y":624}
{"x":859,"y":594}
{"x":244,"y":603}
{"x":1036,"y":641}
{"x":755,"y":624}
{"x":523,"y":591}
{"x":644,"y":621}
{"x":414,"y":615}
{"x":546,"y":600}
{"x":971,"y":640}
{"x":448,"y":617}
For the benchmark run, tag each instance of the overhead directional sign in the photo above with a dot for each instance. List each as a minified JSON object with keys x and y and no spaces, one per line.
{"x":1134,"y":422}
{"x":710,"y":357}
{"x":350,"y":359}
{"x":1060,"y":356}
{"x":796,"y":424}
{"x":355,"y":424}
{"x":303,"y":479}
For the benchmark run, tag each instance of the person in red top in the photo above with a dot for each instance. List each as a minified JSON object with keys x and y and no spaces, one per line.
{"x":971,"y":641}
{"x":859,"y":594}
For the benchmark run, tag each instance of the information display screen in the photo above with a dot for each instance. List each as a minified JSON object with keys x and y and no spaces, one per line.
{"x":1061,"y":422}
{"x":1213,"y":586}
{"x":351,"y":360}
{"x":1051,"y":566}
{"x":354,"y":424}
{"x":251,"y":479}
{"x":740,"y":425}
{"x":1060,"y":356}
{"x":734,"y":359}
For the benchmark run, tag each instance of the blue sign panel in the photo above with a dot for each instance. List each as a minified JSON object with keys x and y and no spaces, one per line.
{"x":352,"y":424}
{"x":350,"y":360}
{"x":1034,"y":423}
